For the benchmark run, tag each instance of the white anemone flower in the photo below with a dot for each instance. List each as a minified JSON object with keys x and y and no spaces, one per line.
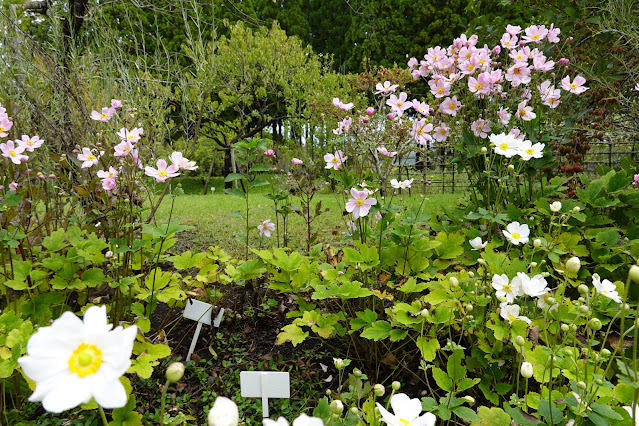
{"x":406,"y":412}
{"x":505,"y":144}
{"x":74,"y":360}
{"x":542,"y":302}
{"x":504,"y":288}
{"x":223,"y":413}
{"x":555,"y":206}
{"x":511,"y":313}
{"x":528,"y":150}
{"x":533,"y":287}
{"x":477,"y":243}
{"x":516,"y":233}
{"x":606,"y":288}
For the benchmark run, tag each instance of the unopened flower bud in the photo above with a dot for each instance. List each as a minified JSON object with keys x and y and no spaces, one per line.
{"x":583,"y":289}
{"x":396,"y":385}
{"x":469,"y":308}
{"x":357,"y":372}
{"x":576,"y":209}
{"x":565,"y":328}
{"x":469,"y":399}
{"x":354,"y":410}
{"x":424,"y":313}
{"x":605,"y":352}
{"x":537,"y":242}
{"x":511,"y":167}
{"x":175,"y":372}
{"x":568,"y":352}
{"x":573,"y":265}
{"x":481,"y":261}
{"x":584,"y":309}
{"x":390,"y":115}
{"x":634,"y":274}
{"x":581,"y":385}
{"x":595,"y":324}
{"x":379,"y":390}
{"x":329,"y":392}
{"x":533,"y":264}
{"x":453,"y":281}
{"x":551,"y":301}
{"x":339,"y":363}
{"x":526,"y":370}
{"x":337,"y":407}
{"x":484,"y":150}
{"x":471,"y":274}
{"x":520,"y":341}
{"x":108,"y":254}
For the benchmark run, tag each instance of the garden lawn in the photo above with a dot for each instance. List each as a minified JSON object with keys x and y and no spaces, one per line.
{"x":218,"y":220}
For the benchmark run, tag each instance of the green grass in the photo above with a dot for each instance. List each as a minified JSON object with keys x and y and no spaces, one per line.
{"x":217,"y":220}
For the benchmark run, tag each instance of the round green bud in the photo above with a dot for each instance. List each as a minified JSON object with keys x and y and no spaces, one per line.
{"x":581,"y":384}
{"x":379,"y":390}
{"x":337,"y":407}
{"x":599,"y":382}
{"x":533,"y":264}
{"x":424,"y":313}
{"x":511,"y":167}
{"x":469,"y":399}
{"x":453,"y":281}
{"x":175,"y":372}
{"x":605,"y":352}
{"x":179,"y":185}
{"x":537,"y":243}
{"x":595,"y":324}
{"x":471,"y":274}
{"x":565,"y":328}
{"x":357,"y":372}
{"x":551,"y":301}
{"x":634,"y":274}
{"x":354,"y":410}
{"x":568,"y":352}
{"x":329,"y":392}
{"x":520,"y":341}
{"x":339,"y":363}
{"x":396,"y":385}
{"x":583,"y":289}
{"x":584,"y":309}
{"x":469,"y":308}
{"x":573,"y":265}
{"x":484,"y":150}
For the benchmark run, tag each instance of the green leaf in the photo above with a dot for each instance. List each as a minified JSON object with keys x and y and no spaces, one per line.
{"x":546,"y":408}
{"x":609,"y":237}
{"x":442,"y":379}
{"x":93,"y":277}
{"x":492,"y":416}
{"x":466,"y":383}
{"x":363,"y":318}
{"x":259,"y":183}
{"x":377,"y":331}
{"x":233,"y":176}
{"x":235,"y":192}
{"x":451,"y":245}
{"x":291,"y":333}
{"x":55,"y":240}
{"x":518,"y":416}
{"x":466,"y":414}
{"x":606,"y":411}
{"x":126,"y":416}
{"x":428,"y":347}
{"x":187,"y":260}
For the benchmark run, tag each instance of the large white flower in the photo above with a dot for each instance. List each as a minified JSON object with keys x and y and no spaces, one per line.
{"x":73,"y":360}
{"x":506,"y":289}
{"x":527,"y":150}
{"x":533,"y":287}
{"x":516,"y":233}
{"x":511,"y":313}
{"x":606,"y":288}
{"x":406,"y":412}
{"x":506,"y":145}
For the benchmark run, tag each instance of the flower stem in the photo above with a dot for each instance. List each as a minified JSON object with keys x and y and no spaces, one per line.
{"x":164,"y":391}
{"x":103,"y":416}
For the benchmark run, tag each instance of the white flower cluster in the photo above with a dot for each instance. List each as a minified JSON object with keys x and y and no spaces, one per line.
{"x":509,"y":145}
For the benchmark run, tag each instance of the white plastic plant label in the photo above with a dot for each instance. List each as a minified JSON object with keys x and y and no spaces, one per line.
{"x":265,"y":385}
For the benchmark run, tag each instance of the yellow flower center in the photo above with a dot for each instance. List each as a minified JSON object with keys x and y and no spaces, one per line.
{"x":420,"y":131}
{"x":359,"y":202}
{"x":85,"y":360}
{"x":511,"y":317}
{"x":516,"y":235}
{"x":162,"y":173}
{"x":442,"y":131}
{"x":131,"y":136}
{"x":507,"y":288}
{"x":2,"y":129}
{"x":29,"y":143}
{"x":517,"y":71}
{"x":503,"y":146}
{"x":522,"y":113}
{"x":127,"y":149}
{"x":535,"y":36}
{"x":400,"y":103}
{"x":110,"y":174}
{"x":471,"y":67}
{"x":520,"y":56}
{"x":451,"y":106}
{"x":468,"y":55}
{"x":573,"y":86}
{"x":335,"y":160}
{"x":265,"y":226}
{"x":479,"y":86}
{"x":91,"y":157}
{"x":12,"y":153}
{"x":440,"y":90}
{"x":104,"y":115}
{"x":530,"y":151}
{"x":405,"y":422}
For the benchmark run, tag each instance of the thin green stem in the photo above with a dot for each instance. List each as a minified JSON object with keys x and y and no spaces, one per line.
{"x":103,"y":416}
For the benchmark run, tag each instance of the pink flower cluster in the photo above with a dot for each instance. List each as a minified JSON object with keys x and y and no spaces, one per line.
{"x":107,"y":112}
{"x":14,"y":150}
{"x":5,"y":122}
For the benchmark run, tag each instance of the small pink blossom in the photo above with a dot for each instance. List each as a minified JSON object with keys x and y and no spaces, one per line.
{"x":269,"y":153}
{"x":360,"y":204}
{"x":525,"y":112}
{"x":480,"y":85}
{"x":104,"y":116}
{"x":391,"y":116}
{"x":5,"y":125}
{"x":439,"y":87}
{"x":504,"y":115}
{"x":513,"y":29}
{"x":266,"y":227}
{"x":635,"y":181}
{"x":13,"y":152}
{"x":163,"y":172}
{"x":30,"y":143}
{"x":412,"y":63}
{"x":370,"y":111}
{"x":496,"y":50}
{"x":111,"y":173}
{"x":13,"y":186}
{"x":440,"y":133}
{"x":109,"y":184}
{"x":420,"y":131}
{"x":421,"y":107}
{"x":88,"y":158}
{"x":341,"y":105}
{"x":450,"y":106}
{"x":563,"y":62}
{"x":382,"y":150}
{"x":297,"y":161}
{"x":404,"y":184}
{"x":335,"y":161}
{"x":343,"y":126}
{"x":577,"y":86}
{"x":518,"y":74}
{"x":132,"y":136}
{"x":351,"y":225}
{"x":116,"y":103}
{"x":399,"y":104}
{"x":386,"y":87}
{"x":183,"y":163}
{"x":123,"y":149}
{"x":535,"y":34}
{"x":509,"y":41}
{"x":553,"y":34}
{"x":480,"y":128}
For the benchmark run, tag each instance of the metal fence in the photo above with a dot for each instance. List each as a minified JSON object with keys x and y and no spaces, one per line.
{"x":442,"y":175}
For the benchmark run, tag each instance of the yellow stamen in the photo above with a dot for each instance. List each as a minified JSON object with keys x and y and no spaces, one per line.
{"x":479,"y":86}
{"x":335,"y":160}
{"x":503,"y":146}
{"x":516,"y":235}
{"x":162,"y":173}
{"x":91,"y":157}
{"x":359,"y":202}
{"x":85,"y":360}
{"x":12,"y":153}
{"x":530,"y":151}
